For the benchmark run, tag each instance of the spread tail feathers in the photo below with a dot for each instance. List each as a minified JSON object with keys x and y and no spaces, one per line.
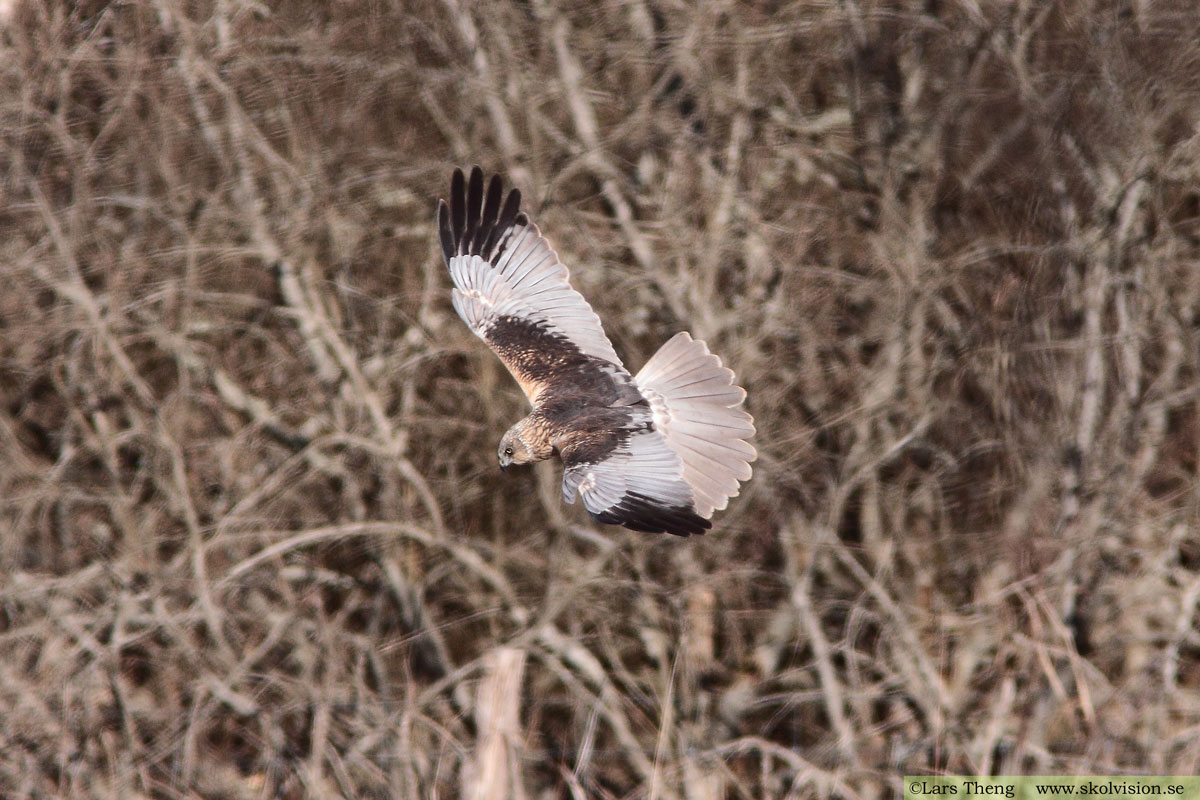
{"x":696,"y":407}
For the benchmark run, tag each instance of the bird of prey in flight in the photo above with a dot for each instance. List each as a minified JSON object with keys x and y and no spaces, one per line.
{"x":659,"y":451}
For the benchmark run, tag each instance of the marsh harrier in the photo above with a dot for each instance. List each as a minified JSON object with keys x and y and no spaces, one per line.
{"x":659,"y":451}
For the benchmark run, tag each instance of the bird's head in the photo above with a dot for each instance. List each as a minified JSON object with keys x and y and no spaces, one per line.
{"x":520,"y":446}
{"x":512,"y":451}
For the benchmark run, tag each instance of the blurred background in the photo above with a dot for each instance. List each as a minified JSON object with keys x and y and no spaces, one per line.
{"x":253,"y":540}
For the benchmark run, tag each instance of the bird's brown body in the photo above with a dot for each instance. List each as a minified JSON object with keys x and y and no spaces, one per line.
{"x":581,"y":424}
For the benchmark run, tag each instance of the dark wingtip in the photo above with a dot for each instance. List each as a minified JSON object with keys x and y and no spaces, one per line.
{"x":491,"y":212}
{"x":474,"y":208}
{"x":476,"y":221}
{"x":641,"y":513}
{"x":458,"y":205}
{"x":445,"y":235}
{"x":505,"y":219}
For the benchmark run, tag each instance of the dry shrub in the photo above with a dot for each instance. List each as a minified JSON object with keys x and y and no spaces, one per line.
{"x":254,"y":542}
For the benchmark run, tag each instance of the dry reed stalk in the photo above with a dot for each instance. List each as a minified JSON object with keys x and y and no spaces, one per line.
{"x":496,"y":772}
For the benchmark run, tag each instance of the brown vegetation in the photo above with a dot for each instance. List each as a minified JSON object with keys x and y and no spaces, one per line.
{"x":253,"y":542}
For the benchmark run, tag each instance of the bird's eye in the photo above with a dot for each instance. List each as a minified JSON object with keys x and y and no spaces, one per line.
{"x":508,"y":451}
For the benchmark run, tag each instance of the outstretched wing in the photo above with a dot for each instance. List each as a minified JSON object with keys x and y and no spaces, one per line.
{"x":637,"y":483}
{"x":512,"y":291}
